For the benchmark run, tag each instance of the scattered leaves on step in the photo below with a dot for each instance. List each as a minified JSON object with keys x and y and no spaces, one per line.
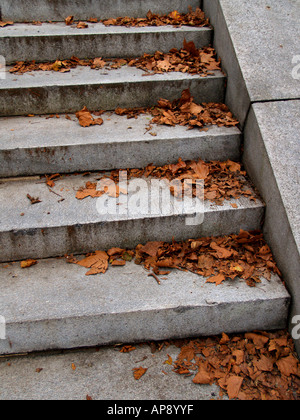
{"x":86,"y":119}
{"x":28,"y":263}
{"x":252,"y":366}
{"x":192,"y":18}
{"x":139,"y":372}
{"x":187,"y":60}
{"x":33,"y":200}
{"x":222,"y":181}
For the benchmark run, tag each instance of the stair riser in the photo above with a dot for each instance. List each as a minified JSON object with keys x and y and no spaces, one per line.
{"x":108,"y":96}
{"x":57,"y":241}
{"x":106,"y":156}
{"x":148,"y":325}
{"x":127,"y":44}
{"x":58,"y":10}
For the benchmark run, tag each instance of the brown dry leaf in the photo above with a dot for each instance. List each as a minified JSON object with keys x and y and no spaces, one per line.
{"x":69,"y":20}
{"x":82,"y":25}
{"x":28,"y":263}
{"x":264,"y":364}
{"x":98,"y":63}
{"x":127,"y":349}
{"x":90,"y":190}
{"x":221,"y":252}
{"x":288,"y":366}
{"x":86,"y":119}
{"x":217,"y":279}
{"x":203,"y":377}
{"x":98,"y":263}
{"x":3,"y":24}
{"x":258,"y":339}
{"x":169,"y":361}
{"x":234,"y":384}
{"x":33,"y":200}
{"x":139,"y":372}
{"x":50,"y":179}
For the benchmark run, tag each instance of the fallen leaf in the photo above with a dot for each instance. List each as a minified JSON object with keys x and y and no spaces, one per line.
{"x":3,"y":24}
{"x":139,"y":372}
{"x":86,"y":119}
{"x":216,"y":279}
{"x":98,"y":263}
{"x":28,"y":263}
{"x":288,"y":366}
{"x":69,"y":20}
{"x":33,"y":200}
{"x":234,"y":384}
{"x":82,"y":25}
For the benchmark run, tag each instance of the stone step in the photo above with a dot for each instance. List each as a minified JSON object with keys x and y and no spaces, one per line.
{"x":61,"y":224}
{"x":53,"y":305}
{"x":53,"y":92}
{"x":58,"y":10}
{"x":50,"y":42}
{"x":37,"y":145}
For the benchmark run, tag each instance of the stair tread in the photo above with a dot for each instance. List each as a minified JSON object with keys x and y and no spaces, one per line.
{"x":49,"y":42}
{"x":127,"y":87}
{"x":53,"y":300}
{"x":63,"y":224}
{"x":25,"y":132}
{"x":61,"y":29}
{"x":73,"y":211}
{"x":119,"y":142}
{"x":30,"y":10}
{"x":82,"y":76}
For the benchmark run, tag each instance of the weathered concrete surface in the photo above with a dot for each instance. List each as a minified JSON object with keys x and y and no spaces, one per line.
{"x":272,"y":157}
{"x":58,"y":10}
{"x":257,"y":41}
{"x":30,"y":146}
{"x":62,"y":224}
{"x":53,"y":305}
{"x":50,"y":42}
{"x":103,"y":374}
{"x":52,"y":92}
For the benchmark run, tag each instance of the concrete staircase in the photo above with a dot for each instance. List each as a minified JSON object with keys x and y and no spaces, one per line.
{"x":54,"y":305}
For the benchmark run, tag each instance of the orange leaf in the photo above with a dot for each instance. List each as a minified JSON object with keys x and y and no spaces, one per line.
{"x":139,"y":372}
{"x":28,"y":263}
{"x":217,"y":279}
{"x":234,"y":384}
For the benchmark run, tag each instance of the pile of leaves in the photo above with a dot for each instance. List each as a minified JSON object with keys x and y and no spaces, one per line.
{"x":186,"y":112}
{"x":187,"y":60}
{"x":246,"y":256}
{"x":183,"y":111}
{"x":251,"y":366}
{"x":192,"y":18}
